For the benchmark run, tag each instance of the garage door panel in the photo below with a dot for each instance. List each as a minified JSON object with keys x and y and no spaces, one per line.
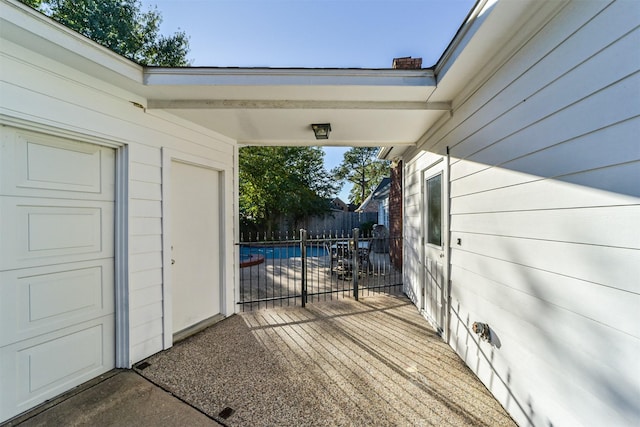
{"x":51,"y":231}
{"x":37,"y":301}
{"x":47,"y":166}
{"x":57,"y":201}
{"x":38,"y":369}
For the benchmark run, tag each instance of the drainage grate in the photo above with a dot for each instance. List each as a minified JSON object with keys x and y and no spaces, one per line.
{"x":226,"y":413}
{"x":142,"y":366}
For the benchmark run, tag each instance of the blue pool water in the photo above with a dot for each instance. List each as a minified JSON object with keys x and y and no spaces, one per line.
{"x":271,"y":252}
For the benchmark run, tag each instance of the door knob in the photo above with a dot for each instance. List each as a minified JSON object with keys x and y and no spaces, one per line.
{"x":173,"y":261}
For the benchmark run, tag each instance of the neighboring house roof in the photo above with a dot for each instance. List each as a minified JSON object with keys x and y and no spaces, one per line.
{"x":337,"y":204}
{"x":379,"y":193}
{"x":382,"y":190}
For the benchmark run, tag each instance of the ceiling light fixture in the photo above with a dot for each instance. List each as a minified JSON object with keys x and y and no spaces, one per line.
{"x":321,"y":130}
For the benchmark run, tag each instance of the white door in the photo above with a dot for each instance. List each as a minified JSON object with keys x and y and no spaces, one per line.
{"x":56,"y":266}
{"x":195,"y":244}
{"x":435,"y":245}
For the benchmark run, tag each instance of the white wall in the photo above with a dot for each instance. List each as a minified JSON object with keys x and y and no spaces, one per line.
{"x":545,"y":197}
{"x":42,"y":94}
{"x":383,"y":212}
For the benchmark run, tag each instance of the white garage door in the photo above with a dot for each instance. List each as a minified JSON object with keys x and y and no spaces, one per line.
{"x":56,"y":266}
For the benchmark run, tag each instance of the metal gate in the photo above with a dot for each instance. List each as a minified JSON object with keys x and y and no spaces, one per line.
{"x":288,"y":269}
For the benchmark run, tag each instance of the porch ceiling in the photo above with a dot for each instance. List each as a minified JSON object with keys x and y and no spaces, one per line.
{"x":277,"y":106}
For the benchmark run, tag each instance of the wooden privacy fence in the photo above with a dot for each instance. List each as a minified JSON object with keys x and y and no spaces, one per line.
{"x":335,"y":220}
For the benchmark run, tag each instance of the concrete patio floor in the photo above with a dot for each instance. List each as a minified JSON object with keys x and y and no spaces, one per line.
{"x":375,"y":362}
{"x":117,"y":398}
{"x":339,"y":363}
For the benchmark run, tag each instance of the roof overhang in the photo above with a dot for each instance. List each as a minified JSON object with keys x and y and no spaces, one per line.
{"x":277,"y":106}
{"x":492,"y":33}
{"x":368,"y":107}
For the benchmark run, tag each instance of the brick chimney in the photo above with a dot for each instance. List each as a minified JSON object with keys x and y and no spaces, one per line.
{"x":407,"y":63}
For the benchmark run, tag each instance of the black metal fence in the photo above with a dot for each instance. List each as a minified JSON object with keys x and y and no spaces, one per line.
{"x":301,"y":268}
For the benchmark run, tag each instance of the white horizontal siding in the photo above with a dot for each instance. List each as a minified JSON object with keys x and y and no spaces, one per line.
{"x":145,"y":296}
{"x":145,"y":173}
{"x":141,"y":332}
{"x":142,"y":243}
{"x":145,"y":261}
{"x":612,"y":226}
{"x":544,"y":173}
{"x":554,"y":389}
{"x":145,"y":190}
{"x":145,"y":278}
{"x":598,"y":303}
{"x":146,"y":226}
{"x":581,"y":190}
{"x":561,"y":155}
{"x":145,"y":249}
{"x":584,"y":152}
{"x":590,"y":92}
{"x":556,"y":50}
{"x":42,"y":91}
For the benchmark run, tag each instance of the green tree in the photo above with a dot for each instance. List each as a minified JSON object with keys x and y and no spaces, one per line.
{"x":281,"y":182}
{"x":121,"y":26}
{"x":361,"y":167}
{"x":33,"y":3}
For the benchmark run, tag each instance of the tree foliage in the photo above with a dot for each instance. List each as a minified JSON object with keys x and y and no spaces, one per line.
{"x":33,"y":3}
{"x":121,"y":26}
{"x":282,"y":182}
{"x":361,"y":167}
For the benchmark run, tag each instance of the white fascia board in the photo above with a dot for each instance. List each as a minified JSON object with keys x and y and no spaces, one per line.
{"x":383,"y":152}
{"x":365,"y":203}
{"x":474,"y":21}
{"x":287,"y":77}
{"x":489,"y":34}
{"x":394,"y":152}
{"x":256,"y":104}
{"x":37,"y":32}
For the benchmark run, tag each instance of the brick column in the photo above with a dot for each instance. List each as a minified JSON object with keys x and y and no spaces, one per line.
{"x":395,"y":216}
{"x":395,"y":193}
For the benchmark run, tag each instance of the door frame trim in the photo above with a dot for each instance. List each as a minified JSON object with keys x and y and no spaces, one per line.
{"x":121,"y":258}
{"x":169,"y":155}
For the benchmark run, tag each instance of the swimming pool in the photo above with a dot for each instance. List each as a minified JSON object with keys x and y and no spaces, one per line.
{"x":281,"y":251}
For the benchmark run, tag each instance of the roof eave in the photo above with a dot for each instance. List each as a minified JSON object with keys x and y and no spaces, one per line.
{"x":287,"y":76}
{"x":37,"y":32}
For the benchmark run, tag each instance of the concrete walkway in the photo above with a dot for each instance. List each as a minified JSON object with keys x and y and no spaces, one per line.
{"x":118,"y":398}
{"x":375,"y":362}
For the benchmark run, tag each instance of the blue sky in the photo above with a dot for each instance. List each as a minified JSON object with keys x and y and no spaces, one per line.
{"x":313,"y":33}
